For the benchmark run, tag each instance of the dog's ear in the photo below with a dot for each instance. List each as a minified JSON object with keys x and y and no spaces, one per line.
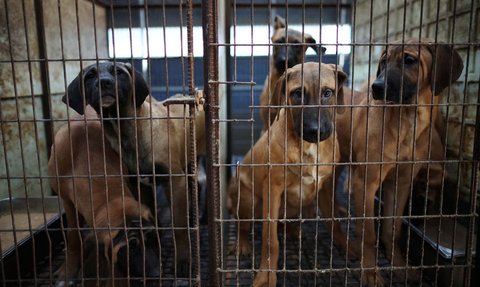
{"x":446,"y":60}
{"x":141,"y":87}
{"x":74,"y":96}
{"x":313,"y":44}
{"x":278,"y":96}
{"x":279,"y":23}
{"x":341,"y":77}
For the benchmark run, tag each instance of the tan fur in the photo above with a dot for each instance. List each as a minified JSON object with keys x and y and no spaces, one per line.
{"x":164,"y":134}
{"x":258,"y":189}
{"x":267,"y":96}
{"x":409,"y":126}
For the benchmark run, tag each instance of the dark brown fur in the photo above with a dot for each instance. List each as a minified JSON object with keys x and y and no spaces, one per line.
{"x":154,"y":136}
{"x":88,"y":176}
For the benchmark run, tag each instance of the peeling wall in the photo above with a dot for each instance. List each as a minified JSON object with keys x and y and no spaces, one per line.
{"x":68,"y":26}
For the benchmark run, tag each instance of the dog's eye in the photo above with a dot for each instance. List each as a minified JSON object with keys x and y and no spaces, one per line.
{"x":297,"y":94}
{"x":90,"y":75}
{"x":409,"y":60}
{"x":383,"y":62}
{"x":327,"y":93}
{"x":119,"y":71}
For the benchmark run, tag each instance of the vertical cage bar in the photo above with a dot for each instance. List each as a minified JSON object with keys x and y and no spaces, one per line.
{"x":42,"y":51}
{"x":210,"y":60}
{"x":193,"y":150}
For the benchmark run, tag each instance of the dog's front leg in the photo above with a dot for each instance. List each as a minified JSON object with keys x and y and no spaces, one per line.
{"x":328,"y":207}
{"x":365,"y":182}
{"x":271,"y":206}
{"x":396,"y":196}
{"x":69,"y":270}
{"x":179,"y":212}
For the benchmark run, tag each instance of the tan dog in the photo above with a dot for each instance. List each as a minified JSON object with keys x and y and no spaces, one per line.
{"x":394,"y":129}
{"x":300,"y":135}
{"x":283,"y":57}
{"x":154,"y":136}
{"x":88,"y":177}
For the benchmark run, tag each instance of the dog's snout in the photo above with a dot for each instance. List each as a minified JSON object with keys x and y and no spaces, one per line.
{"x":280,"y":62}
{"x":316,"y":125}
{"x":378,"y":89}
{"x":378,"y":86}
{"x":106,"y":83}
{"x":310,"y":132}
{"x":291,"y":62}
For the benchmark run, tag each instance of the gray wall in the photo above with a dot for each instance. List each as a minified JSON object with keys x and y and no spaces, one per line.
{"x":23,"y":153}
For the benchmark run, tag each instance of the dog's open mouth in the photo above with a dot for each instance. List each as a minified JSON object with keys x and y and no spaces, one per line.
{"x":107,"y":100}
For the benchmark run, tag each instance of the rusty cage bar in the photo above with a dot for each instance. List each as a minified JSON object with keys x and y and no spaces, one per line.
{"x":281,"y":143}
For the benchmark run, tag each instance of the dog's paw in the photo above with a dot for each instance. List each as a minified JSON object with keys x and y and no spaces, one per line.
{"x":372,"y":278}
{"x":240,"y":249}
{"x":63,"y":283}
{"x":265,"y":279}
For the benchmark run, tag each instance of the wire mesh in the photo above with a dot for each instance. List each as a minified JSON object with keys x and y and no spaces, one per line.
{"x":231,"y":49}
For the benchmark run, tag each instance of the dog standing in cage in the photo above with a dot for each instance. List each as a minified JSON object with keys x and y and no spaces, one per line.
{"x":283,"y":57}
{"x":121,"y":246}
{"x":154,"y":137}
{"x":292,"y":163}
{"x":386,"y":135}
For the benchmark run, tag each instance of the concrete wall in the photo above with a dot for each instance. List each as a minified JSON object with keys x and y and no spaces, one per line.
{"x":457,"y":24}
{"x":23,"y":152}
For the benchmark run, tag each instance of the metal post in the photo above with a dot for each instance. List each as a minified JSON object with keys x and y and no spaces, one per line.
{"x":210,"y":60}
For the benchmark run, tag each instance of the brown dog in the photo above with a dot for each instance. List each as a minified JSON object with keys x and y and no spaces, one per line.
{"x":154,"y":137}
{"x":393,"y":130}
{"x":87,"y":174}
{"x":299,"y":135}
{"x":284,"y":56}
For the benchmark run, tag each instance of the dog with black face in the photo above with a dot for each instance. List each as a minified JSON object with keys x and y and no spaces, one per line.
{"x":296,"y":155}
{"x":122,"y":245}
{"x":289,"y":50}
{"x":153,"y":137}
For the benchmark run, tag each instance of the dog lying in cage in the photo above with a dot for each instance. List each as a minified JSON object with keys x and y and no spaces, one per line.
{"x":283,"y":57}
{"x":292,"y":163}
{"x":154,"y":136}
{"x":121,"y":246}
{"x":387,"y":134}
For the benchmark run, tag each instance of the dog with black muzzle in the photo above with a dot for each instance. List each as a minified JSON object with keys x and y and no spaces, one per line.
{"x":295,"y":156}
{"x":289,"y":50}
{"x":152,"y":137}
{"x":388,"y":137}
{"x":121,"y":246}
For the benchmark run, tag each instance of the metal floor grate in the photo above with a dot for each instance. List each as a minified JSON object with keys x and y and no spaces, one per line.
{"x":306,"y":263}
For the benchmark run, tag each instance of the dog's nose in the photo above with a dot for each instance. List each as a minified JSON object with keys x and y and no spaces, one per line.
{"x":311,"y":131}
{"x":106,"y":83}
{"x":310,"y":134}
{"x":281,"y":62}
{"x":378,"y":89}
{"x":291,"y":62}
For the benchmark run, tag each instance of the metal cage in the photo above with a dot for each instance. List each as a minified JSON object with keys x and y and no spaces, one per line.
{"x":220,"y":56}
